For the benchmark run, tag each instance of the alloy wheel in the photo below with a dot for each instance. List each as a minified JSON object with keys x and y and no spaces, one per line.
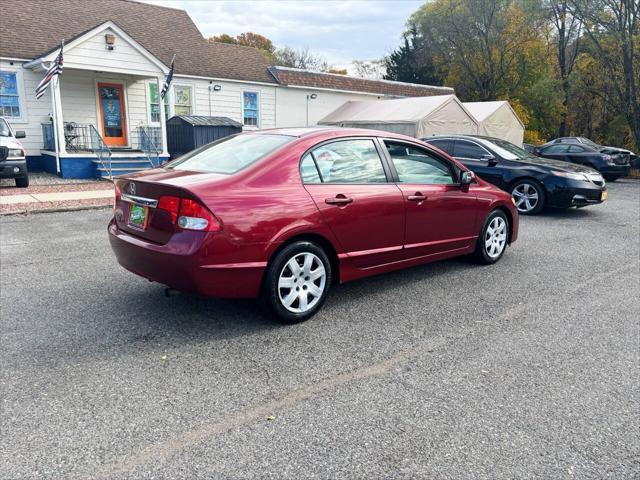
{"x":526,"y":197}
{"x":302,"y":282}
{"x":495,"y":237}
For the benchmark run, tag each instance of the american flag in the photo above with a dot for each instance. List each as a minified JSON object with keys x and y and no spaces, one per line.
{"x":167,"y":81}
{"x":54,"y":69}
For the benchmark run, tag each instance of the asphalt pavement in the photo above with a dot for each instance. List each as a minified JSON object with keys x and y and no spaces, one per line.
{"x":529,"y":368}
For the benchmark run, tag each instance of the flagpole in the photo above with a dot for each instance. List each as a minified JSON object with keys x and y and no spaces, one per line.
{"x":55,"y":122}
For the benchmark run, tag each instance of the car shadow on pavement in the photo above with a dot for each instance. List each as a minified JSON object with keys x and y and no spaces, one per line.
{"x":187,"y":318}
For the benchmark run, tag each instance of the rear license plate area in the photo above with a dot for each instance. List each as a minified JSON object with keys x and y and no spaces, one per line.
{"x":138,"y":216}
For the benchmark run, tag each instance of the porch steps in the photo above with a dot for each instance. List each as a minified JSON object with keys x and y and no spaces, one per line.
{"x":122,"y":166}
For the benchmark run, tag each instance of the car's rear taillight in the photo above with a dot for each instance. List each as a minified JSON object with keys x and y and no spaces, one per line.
{"x":117,"y":192}
{"x":170,"y":204}
{"x":189,"y":214}
{"x":194,"y":216}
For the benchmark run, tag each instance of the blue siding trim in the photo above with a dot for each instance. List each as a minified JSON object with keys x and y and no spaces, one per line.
{"x":35,"y":163}
{"x":85,"y":167}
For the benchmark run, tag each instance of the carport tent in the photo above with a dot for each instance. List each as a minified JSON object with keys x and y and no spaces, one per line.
{"x":497,"y":119}
{"x":416,"y":116}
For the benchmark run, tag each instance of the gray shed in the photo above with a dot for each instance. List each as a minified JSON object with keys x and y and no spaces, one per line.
{"x":188,"y":132}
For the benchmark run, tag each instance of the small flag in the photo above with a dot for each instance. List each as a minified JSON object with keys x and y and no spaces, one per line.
{"x":54,"y":69}
{"x":167,"y":81}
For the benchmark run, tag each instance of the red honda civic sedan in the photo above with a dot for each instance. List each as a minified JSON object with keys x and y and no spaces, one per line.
{"x":284,"y":214}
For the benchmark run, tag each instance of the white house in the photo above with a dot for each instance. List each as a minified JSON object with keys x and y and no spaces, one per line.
{"x":104,"y":115}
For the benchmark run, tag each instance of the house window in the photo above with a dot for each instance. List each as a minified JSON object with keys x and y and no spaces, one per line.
{"x":250,"y":109}
{"x":154,"y":104}
{"x":182,"y":104}
{"x":9,"y":96}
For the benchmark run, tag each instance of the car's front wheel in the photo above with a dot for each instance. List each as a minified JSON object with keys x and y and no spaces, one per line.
{"x":528,"y":196}
{"x":492,"y":241}
{"x":297,"y":282}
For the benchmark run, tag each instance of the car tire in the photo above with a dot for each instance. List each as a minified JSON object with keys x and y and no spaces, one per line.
{"x":296,"y":282}
{"x":22,"y":182}
{"x":493,"y":239}
{"x":611,"y":178}
{"x":529,"y":196}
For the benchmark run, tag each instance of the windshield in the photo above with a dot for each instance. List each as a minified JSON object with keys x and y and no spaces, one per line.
{"x":4,"y":128}
{"x":230,"y":154}
{"x":508,"y":150}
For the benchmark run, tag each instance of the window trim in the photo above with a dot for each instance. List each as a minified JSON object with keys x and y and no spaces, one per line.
{"x":21,"y":96}
{"x":147,"y":94}
{"x":453,"y":168}
{"x":381,"y":154}
{"x":172,"y":98}
{"x":258,"y":113}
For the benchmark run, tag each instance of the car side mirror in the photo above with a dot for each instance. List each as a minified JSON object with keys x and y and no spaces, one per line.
{"x":490,"y":159}
{"x":20,"y":134}
{"x":467,"y":178}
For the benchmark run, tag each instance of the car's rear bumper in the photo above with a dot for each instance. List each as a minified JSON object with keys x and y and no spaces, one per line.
{"x":184,"y":264}
{"x":615,"y":170}
{"x":13,"y":168}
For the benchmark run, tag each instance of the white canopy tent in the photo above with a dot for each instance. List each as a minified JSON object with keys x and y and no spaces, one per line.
{"x":416,"y":116}
{"x":497,"y":119}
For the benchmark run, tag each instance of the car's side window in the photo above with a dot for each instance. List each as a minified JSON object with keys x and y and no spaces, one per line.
{"x":309,"y":171}
{"x":416,"y":165}
{"x":576,"y":149}
{"x":464,"y":149}
{"x":444,"y":145}
{"x":349,"y":161}
{"x":557,"y":149}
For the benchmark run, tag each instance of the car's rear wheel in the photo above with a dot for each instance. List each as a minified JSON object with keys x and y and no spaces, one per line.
{"x":22,"y":182}
{"x":528,"y":195}
{"x":492,"y":241}
{"x":297,"y":282}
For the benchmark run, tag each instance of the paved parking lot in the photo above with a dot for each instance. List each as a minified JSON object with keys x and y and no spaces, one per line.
{"x":528,"y":368}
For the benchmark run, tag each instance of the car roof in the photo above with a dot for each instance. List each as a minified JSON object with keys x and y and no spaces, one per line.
{"x":463,"y":136}
{"x":331,"y":132}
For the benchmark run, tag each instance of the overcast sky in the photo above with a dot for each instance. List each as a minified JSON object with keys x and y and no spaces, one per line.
{"x":339,"y":30}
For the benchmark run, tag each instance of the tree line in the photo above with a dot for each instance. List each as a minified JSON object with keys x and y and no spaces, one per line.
{"x":568,"y":67}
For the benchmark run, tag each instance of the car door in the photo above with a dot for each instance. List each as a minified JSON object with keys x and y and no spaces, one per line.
{"x":440,"y":215}
{"x":475,"y":158}
{"x":349,"y":184}
{"x":577,"y":154}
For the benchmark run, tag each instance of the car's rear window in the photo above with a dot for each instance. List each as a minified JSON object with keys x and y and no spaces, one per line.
{"x":230,"y":154}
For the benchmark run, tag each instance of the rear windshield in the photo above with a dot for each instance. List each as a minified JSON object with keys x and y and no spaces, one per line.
{"x":230,"y":154}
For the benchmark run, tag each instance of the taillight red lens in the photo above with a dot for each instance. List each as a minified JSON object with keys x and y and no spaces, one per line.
{"x":170,"y":204}
{"x":195,"y":216}
{"x":117,"y":192}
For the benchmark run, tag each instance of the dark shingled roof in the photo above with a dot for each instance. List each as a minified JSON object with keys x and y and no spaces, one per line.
{"x":204,"y":121}
{"x":31,"y":28}
{"x":305,"y":78}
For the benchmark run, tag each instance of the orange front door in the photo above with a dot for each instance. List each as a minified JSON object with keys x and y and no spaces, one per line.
{"x":112,"y":114}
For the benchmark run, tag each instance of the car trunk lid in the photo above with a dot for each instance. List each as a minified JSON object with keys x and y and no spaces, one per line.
{"x":147,"y":203}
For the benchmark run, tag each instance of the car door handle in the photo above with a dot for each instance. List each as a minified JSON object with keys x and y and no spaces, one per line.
{"x":339,"y":200}
{"x":417,"y":197}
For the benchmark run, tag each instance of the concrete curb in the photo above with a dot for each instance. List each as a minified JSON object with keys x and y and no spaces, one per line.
{"x":55,"y":210}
